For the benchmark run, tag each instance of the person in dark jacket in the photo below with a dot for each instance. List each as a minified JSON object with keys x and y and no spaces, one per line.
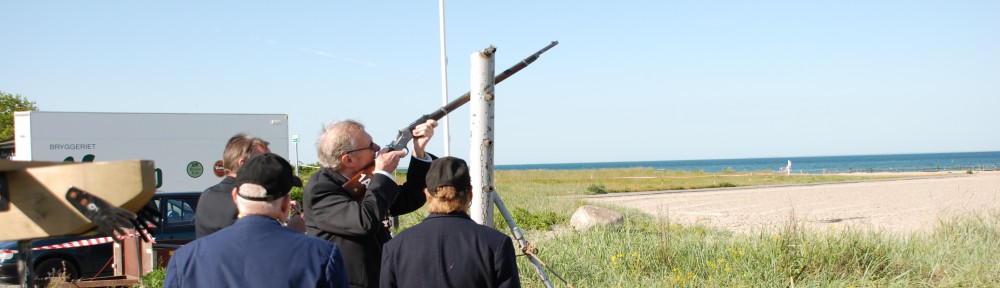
{"x":448,"y":249}
{"x":257,"y":250}
{"x":357,"y":221}
{"x":216,"y":209}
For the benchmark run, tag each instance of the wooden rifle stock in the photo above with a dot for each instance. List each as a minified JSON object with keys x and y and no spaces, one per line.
{"x":358,"y":184}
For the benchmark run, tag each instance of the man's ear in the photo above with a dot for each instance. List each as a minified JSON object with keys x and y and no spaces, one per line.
{"x":286,"y":204}
{"x":286,"y":207}
{"x":427,"y":194}
{"x":235,"y":194}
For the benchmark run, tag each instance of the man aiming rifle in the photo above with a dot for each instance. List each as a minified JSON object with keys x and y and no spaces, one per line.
{"x":349,"y":201}
{"x":355,"y":219}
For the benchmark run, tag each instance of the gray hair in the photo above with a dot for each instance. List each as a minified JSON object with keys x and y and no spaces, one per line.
{"x":251,"y":207}
{"x":335,"y":141}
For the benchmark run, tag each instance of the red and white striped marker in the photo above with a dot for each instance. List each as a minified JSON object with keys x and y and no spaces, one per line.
{"x":8,"y":254}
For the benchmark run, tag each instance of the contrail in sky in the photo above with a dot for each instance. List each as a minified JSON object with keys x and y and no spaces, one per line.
{"x":331,"y":55}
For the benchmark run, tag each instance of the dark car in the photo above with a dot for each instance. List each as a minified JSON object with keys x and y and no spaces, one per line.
{"x":176,"y":228}
{"x":176,"y":223}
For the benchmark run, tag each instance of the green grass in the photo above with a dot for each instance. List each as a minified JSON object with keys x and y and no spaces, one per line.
{"x":648,"y":252}
{"x":645,"y":252}
{"x":647,"y":179}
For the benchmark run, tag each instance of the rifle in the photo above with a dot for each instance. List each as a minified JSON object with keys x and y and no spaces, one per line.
{"x":359,"y":182}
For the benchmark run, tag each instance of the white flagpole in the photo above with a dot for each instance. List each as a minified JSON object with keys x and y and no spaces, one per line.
{"x":444,"y":81}
{"x":481,"y":117}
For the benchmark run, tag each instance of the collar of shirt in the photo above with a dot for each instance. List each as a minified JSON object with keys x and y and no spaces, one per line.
{"x":240,"y":216}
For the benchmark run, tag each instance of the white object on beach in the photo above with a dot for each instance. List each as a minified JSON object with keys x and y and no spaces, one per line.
{"x":589,"y":216}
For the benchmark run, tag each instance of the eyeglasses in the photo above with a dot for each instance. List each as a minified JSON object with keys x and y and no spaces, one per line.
{"x":370,"y":146}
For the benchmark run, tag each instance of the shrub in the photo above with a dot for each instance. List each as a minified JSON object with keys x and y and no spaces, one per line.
{"x":153,"y":279}
{"x":597,"y":189}
{"x":725,"y":184}
{"x":531,"y":221}
{"x":296,"y":194}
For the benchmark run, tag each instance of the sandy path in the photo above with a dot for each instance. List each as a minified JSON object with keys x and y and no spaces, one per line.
{"x":898,"y":206}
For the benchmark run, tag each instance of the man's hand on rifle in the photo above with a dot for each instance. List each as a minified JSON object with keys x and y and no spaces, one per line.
{"x":421,"y":136}
{"x":388,"y":160}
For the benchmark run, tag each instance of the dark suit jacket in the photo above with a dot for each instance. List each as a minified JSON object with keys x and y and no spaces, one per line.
{"x":356,"y":226}
{"x":449,"y":250}
{"x":256,"y":251}
{"x":216,"y":209}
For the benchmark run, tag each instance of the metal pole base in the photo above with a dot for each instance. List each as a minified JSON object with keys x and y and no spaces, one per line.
{"x":521,"y":241}
{"x":24,"y":263}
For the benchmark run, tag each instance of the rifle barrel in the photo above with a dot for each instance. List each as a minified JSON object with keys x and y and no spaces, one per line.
{"x":354,"y":185}
{"x":451,"y":106}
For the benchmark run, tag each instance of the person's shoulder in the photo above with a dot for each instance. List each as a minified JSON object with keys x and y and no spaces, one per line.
{"x":224,"y":186}
{"x":210,"y":190}
{"x":415,"y":232}
{"x":187,"y":250}
{"x":489,"y":232}
{"x":303,"y":242}
{"x":219,"y":235}
{"x":304,"y":239}
{"x":323,"y":181}
{"x":316,"y":176}
{"x":484,"y":233}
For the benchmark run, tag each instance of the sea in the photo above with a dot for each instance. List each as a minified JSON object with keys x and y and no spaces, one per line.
{"x":928,"y":162}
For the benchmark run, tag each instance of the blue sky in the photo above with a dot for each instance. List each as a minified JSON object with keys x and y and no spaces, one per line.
{"x":629,"y":81}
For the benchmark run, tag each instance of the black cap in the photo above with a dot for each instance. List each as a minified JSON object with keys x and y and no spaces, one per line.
{"x":269,"y":171}
{"x":448,"y":171}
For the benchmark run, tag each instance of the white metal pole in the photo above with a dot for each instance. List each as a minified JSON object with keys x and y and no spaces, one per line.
{"x":444,"y":81}
{"x":481,"y":150}
{"x":523,"y":242}
{"x":295,"y":138}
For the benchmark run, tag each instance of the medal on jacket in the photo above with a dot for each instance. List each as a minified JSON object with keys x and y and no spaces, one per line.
{"x":358,"y":184}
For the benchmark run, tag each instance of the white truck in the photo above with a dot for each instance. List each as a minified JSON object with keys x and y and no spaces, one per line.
{"x":186,"y":148}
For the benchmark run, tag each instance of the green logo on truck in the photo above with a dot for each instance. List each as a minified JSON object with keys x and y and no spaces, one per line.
{"x":195,"y":169}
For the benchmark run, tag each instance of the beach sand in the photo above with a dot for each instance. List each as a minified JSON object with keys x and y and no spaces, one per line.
{"x":899,"y":206}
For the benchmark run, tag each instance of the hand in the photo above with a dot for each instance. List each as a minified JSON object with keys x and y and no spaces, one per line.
{"x":421,"y":136}
{"x":112,"y":220}
{"x":388,"y":160}
{"x":296,"y":210}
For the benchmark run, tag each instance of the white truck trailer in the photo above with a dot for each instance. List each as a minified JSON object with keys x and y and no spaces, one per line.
{"x":186,"y":148}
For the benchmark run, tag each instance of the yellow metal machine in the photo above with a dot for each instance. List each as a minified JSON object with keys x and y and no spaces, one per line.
{"x":50,"y":199}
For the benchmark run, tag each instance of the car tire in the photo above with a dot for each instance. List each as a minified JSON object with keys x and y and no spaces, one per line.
{"x":54,"y":267}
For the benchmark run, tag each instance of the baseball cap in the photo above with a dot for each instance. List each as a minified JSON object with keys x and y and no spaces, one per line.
{"x":265,"y":177}
{"x":448,"y":171}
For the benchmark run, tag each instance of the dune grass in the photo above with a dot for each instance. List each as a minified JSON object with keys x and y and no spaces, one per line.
{"x":649,"y":252}
{"x":647,"y":179}
{"x":645,"y":252}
